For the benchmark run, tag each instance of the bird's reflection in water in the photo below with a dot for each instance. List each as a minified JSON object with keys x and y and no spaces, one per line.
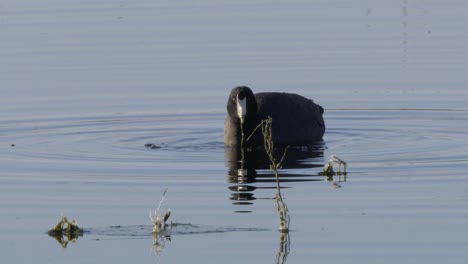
{"x":249,"y":170}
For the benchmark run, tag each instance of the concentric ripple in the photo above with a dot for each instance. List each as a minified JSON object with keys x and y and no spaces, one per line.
{"x":403,"y":137}
{"x":368,"y":138}
{"x":110,"y":138}
{"x":109,"y":144}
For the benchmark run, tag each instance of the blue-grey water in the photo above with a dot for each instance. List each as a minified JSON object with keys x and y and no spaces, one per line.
{"x":84,"y":85}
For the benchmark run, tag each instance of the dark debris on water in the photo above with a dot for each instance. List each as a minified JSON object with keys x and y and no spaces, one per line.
{"x":152,"y":146}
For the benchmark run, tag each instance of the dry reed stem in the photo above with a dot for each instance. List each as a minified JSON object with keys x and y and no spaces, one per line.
{"x":281,"y":207}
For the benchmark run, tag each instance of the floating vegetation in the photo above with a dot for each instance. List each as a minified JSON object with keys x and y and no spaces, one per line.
{"x":328,"y":168}
{"x":66,"y":231}
{"x":159,"y":221}
{"x":161,"y":230}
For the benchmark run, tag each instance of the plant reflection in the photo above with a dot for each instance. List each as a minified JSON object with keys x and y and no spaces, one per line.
{"x":283,"y":250}
{"x":159,"y":243}
{"x":336,"y":180}
{"x":64,"y":239}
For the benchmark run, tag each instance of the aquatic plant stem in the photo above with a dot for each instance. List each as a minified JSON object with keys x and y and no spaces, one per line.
{"x":159,"y":222}
{"x":268,"y":143}
{"x":242,"y":146}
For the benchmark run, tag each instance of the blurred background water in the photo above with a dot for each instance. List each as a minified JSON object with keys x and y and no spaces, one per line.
{"x":85,"y":85}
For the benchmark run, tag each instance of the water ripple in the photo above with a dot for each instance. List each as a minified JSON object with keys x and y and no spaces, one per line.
{"x":405,"y":136}
{"x":365,"y":137}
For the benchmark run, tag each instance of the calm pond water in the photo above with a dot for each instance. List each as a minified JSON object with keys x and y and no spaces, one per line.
{"x":85,"y":86}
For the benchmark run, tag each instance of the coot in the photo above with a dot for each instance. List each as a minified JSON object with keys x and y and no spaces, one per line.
{"x":297,"y":120}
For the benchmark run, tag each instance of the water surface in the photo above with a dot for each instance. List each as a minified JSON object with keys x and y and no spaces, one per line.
{"x":85,"y":86}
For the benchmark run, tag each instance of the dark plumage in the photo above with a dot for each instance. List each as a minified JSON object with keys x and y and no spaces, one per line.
{"x":296,"y":119}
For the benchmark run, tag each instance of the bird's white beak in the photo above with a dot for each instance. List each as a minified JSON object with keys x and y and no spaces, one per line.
{"x":241,"y":108}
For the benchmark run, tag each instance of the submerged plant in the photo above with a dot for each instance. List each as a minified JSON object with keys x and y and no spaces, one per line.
{"x":66,"y":231}
{"x":159,"y":222}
